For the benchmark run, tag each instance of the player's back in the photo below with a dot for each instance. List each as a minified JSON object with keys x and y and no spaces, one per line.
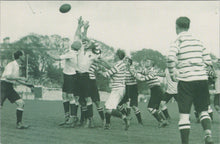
{"x":192,"y":56}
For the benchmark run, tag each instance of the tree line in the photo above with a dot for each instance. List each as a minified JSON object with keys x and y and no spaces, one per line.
{"x":43,"y":70}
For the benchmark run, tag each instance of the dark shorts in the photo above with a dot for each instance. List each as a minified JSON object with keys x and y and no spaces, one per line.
{"x":216,"y":99}
{"x":166,"y":97}
{"x":194,"y":92}
{"x":69,"y":83}
{"x":7,"y":91}
{"x":156,"y":97}
{"x":93,"y":90}
{"x":131,"y":92}
{"x":83,"y":86}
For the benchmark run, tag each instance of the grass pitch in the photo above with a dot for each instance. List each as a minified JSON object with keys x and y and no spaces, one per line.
{"x":44,"y":117}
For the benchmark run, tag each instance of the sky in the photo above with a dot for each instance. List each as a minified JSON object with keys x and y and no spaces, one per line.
{"x":122,"y":24}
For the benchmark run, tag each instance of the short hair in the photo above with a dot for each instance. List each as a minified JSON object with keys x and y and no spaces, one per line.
{"x":120,"y":53}
{"x":76,"y":45}
{"x":94,"y":47}
{"x":183,"y":22}
{"x":17,"y":54}
{"x":151,"y":61}
{"x":129,"y":61}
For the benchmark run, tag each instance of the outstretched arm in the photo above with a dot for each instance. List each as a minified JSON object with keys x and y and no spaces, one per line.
{"x":161,"y":74}
{"x":86,"y":26}
{"x":55,"y":57}
{"x":109,"y":72}
{"x":78,"y":33}
{"x":65,"y":56}
{"x":103,"y":63}
{"x":140,"y":76}
{"x":12,"y":78}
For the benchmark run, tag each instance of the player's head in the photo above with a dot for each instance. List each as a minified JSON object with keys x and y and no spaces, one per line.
{"x":19,"y":56}
{"x":85,"y":42}
{"x":76,"y":45}
{"x":149,"y":63}
{"x":182,"y":24}
{"x":94,"y":47}
{"x":128,"y":61}
{"x":119,"y":55}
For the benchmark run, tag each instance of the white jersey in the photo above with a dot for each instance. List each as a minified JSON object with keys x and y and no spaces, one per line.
{"x":11,"y":69}
{"x":85,"y":59}
{"x":70,"y":62}
{"x":171,"y":85}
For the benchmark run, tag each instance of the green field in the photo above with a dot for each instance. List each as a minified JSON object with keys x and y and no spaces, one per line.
{"x":44,"y":117}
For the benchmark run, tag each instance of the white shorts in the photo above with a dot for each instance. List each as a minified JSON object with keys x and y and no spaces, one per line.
{"x":114,"y":98}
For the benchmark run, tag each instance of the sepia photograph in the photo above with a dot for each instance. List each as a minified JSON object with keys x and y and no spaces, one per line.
{"x":109,"y":72}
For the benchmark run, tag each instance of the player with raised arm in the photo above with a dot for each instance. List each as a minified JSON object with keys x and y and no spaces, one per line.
{"x":69,"y":90}
{"x":86,"y":55}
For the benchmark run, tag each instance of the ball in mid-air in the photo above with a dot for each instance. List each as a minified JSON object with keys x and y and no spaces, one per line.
{"x":65,"y":8}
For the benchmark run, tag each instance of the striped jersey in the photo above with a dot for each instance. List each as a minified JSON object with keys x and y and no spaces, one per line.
{"x":93,"y":68}
{"x":154,"y":81}
{"x":130,"y":79}
{"x":148,"y":76}
{"x":190,"y":57}
{"x":171,"y":85}
{"x":117,"y":74}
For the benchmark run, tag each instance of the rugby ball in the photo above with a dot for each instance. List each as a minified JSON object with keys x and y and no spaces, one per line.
{"x":65,"y":8}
